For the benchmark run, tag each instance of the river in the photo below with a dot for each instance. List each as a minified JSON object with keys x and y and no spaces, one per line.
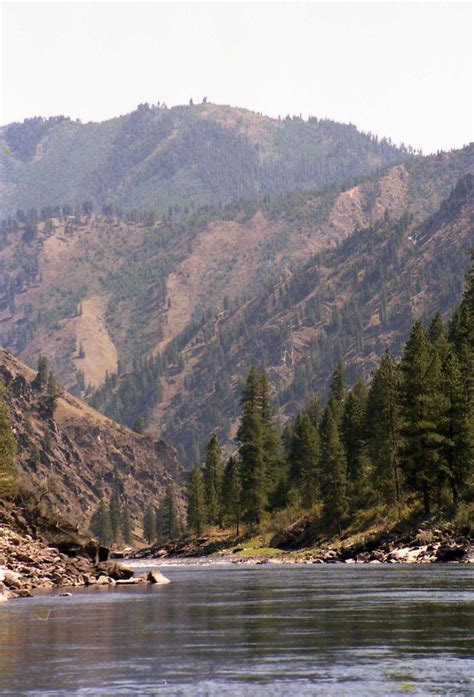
{"x":249,"y":630}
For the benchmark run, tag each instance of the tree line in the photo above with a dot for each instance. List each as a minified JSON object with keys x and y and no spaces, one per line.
{"x":407,"y":438}
{"x":111,"y":522}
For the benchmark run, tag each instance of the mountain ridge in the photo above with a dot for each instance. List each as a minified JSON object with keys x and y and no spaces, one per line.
{"x":156,"y":157}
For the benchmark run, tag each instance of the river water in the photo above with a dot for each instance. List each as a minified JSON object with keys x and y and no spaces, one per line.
{"x":249,"y":630}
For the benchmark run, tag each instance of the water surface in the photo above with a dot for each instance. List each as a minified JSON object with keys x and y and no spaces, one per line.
{"x":249,"y":630}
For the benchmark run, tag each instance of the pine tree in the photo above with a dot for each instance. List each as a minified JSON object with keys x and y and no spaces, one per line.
{"x":461,"y":334}
{"x":272,"y":443}
{"x":100,"y":525}
{"x":251,"y":435}
{"x":458,"y":429}
{"x":436,"y":329}
{"x":115,"y":513}
{"x":52,"y":390}
{"x":423,"y":405}
{"x":333,"y":468}
{"x":42,"y":375}
{"x":353,"y":431}
{"x":383,"y":429}
{"x":213,"y":473}
{"x":232,"y":492}
{"x":337,"y":385}
{"x":149,"y":524}
{"x":304,"y":459}
{"x":313,"y":410}
{"x":8,"y":472}
{"x":171,"y":527}
{"x":196,"y":501}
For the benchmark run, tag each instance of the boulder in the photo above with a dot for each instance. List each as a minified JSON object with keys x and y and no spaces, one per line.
{"x":451,"y":553}
{"x":117,"y":571}
{"x":157,"y":577}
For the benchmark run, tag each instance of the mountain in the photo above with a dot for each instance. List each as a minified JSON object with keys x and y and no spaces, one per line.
{"x":72,"y":456}
{"x":350,"y":302}
{"x":157,"y":158}
{"x":291,"y":262}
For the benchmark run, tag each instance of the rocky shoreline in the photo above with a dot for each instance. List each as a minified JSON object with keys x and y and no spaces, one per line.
{"x":27,"y":565}
{"x":426,"y":544}
{"x":39,"y":552}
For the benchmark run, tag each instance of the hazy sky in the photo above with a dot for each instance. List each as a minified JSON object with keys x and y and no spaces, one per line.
{"x":402,"y":70}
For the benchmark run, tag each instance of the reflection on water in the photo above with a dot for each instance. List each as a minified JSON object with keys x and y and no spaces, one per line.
{"x":226,"y":630}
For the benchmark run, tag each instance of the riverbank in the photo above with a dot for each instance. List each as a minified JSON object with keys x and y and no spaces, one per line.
{"x":427,"y":542}
{"x":38,"y":551}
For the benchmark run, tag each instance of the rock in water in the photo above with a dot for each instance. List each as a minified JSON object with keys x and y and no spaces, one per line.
{"x":157,"y":577}
{"x":115,"y":570}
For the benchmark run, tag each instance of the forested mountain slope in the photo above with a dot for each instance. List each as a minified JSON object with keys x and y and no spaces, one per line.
{"x":72,"y":457}
{"x":404,"y":261}
{"x":155,"y":158}
{"x":351,"y":303}
{"x":98,"y":293}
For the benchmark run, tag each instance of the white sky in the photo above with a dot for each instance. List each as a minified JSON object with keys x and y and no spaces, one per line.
{"x":402,"y":70}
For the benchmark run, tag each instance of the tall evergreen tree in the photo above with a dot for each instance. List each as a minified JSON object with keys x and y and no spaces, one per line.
{"x":383,"y":429}
{"x":458,"y":429}
{"x":213,"y":473}
{"x":461,"y":333}
{"x":42,"y":375}
{"x":353,"y":431}
{"x":423,"y":407}
{"x":251,"y":435}
{"x":272,"y":442}
{"x":100,"y":524}
{"x":304,"y":459}
{"x":337,"y":385}
{"x":8,"y":471}
{"x":196,"y":501}
{"x":149,"y":524}
{"x":333,"y":468}
{"x":171,"y":527}
{"x":115,"y":513}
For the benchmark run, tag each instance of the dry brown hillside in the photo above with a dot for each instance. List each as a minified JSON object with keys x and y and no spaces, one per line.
{"x":73,"y":457}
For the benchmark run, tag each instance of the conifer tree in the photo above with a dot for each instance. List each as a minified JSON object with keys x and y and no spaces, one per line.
{"x":232,"y":492}
{"x":313,"y":410}
{"x":353,"y":431}
{"x":115,"y":513}
{"x":423,"y":407}
{"x":149,"y":524}
{"x":436,"y":330}
{"x":272,"y":442}
{"x":251,"y":435}
{"x":196,"y":501}
{"x":304,"y":459}
{"x":8,"y":471}
{"x":213,"y":473}
{"x":42,"y":374}
{"x":461,"y":334}
{"x":458,"y":429}
{"x":383,"y":429}
{"x":333,"y":468}
{"x":337,"y":385}
{"x":171,"y":527}
{"x":100,"y":524}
